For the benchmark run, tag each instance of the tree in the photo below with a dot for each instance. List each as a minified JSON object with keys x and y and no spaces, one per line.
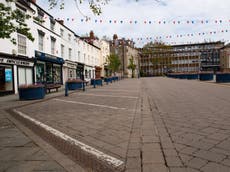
{"x":132,"y":66}
{"x":12,"y":21}
{"x":113,"y":63}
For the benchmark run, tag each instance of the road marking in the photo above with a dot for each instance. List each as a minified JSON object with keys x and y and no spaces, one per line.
{"x":100,"y":155}
{"x":115,"y":90}
{"x":90,"y":104}
{"x":101,"y":95}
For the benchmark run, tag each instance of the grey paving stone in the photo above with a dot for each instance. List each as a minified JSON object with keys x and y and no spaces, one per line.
{"x":196,"y":163}
{"x":154,"y":168}
{"x":153,"y":157}
{"x":214,"y":167}
{"x":210,"y":156}
{"x":173,"y":161}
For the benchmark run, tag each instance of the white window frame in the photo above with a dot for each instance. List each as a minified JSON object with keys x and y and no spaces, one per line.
{"x":40,"y":42}
{"x":22,"y":44}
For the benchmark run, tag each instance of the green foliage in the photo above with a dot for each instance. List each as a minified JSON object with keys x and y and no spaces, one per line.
{"x":132,"y":66}
{"x":94,"y":5}
{"x":13,"y":21}
{"x":113,"y":62}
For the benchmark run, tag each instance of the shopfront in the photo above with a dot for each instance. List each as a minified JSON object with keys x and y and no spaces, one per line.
{"x":70,"y":70}
{"x":14,"y":71}
{"x":48,"y":68}
{"x":80,"y":71}
{"x":89,"y":72}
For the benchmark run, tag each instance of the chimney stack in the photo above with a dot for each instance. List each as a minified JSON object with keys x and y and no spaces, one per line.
{"x":33,"y":1}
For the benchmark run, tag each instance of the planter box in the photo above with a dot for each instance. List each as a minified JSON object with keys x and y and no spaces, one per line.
{"x":206,"y":76}
{"x":74,"y":85}
{"x":222,"y":77}
{"x":31,"y":93}
{"x":192,"y":76}
{"x":96,"y":82}
{"x":108,"y":80}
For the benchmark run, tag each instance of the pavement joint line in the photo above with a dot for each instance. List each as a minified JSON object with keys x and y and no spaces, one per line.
{"x":90,"y":104}
{"x":100,"y":155}
{"x":101,"y":95}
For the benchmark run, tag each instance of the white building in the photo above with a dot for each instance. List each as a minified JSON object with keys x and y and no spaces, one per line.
{"x":56,"y":55}
{"x":16,"y":60}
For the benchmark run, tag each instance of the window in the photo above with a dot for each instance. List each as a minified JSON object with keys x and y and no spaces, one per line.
{"x":40,"y":72}
{"x":40,"y":41}
{"x":69,"y":37}
{"x":21,"y":44}
{"x":62,"y":33}
{"x":25,"y":76}
{"x":53,"y":40}
{"x":79,"y":56}
{"x":70,"y":53}
{"x":62,"y":50}
{"x":52,"y":24}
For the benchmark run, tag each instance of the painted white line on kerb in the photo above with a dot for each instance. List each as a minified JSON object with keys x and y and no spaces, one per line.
{"x":100,"y":155}
{"x":90,"y":104}
{"x":103,"y":95}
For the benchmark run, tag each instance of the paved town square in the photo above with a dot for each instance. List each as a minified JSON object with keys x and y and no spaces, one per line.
{"x":134,"y":125}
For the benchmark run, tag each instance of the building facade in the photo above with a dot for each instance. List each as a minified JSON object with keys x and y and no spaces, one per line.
{"x":225,"y":58}
{"x":56,"y":54}
{"x":159,"y":60}
{"x":125,"y":50}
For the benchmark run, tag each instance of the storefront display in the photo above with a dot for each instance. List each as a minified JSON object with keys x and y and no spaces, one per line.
{"x":48,"y":68}
{"x":14,"y":71}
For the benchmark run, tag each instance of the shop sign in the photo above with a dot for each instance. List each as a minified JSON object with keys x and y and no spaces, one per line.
{"x":16,"y":62}
{"x":8,"y":75}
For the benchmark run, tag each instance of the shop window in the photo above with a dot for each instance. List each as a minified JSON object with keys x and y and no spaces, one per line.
{"x":49,"y":73}
{"x":40,"y":73}
{"x":21,"y":44}
{"x":89,"y":73}
{"x":71,"y":73}
{"x":57,"y":73}
{"x":86,"y":74}
{"x":25,"y":76}
{"x":6,"y":78}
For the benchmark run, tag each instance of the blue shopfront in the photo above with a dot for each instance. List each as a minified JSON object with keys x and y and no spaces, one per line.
{"x":48,"y":68}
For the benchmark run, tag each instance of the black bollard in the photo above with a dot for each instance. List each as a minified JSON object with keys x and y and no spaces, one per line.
{"x":66,"y":89}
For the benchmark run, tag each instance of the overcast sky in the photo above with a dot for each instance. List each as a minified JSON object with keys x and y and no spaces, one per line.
{"x":145,"y":16}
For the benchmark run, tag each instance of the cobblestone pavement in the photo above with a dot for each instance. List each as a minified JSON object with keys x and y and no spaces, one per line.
{"x":151,"y":124}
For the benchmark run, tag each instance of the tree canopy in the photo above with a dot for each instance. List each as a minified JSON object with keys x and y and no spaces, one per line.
{"x":13,"y":21}
{"x":132,"y":66}
{"x":113,"y":62}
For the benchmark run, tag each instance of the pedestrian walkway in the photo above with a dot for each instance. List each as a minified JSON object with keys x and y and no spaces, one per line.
{"x":136,"y":125}
{"x":20,"y":152}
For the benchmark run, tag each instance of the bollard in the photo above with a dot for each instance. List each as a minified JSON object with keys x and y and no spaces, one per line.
{"x":66,"y":89}
{"x":83,"y":85}
{"x":94,"y":83}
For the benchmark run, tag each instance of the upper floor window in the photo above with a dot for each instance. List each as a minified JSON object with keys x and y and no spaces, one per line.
{"x":21,"y":44}
{"x":41,"y":40}
{"x":69,"y":37}
{"x":52,"y":24}
{"x":62,"y":33}
{"x":70,"y":53}
{"x":53,"y":40}
{"x":79,"y":56}
{"x":62,"y":50}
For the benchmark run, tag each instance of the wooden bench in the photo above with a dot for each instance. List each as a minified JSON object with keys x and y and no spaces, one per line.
{"x":50,"y":87}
